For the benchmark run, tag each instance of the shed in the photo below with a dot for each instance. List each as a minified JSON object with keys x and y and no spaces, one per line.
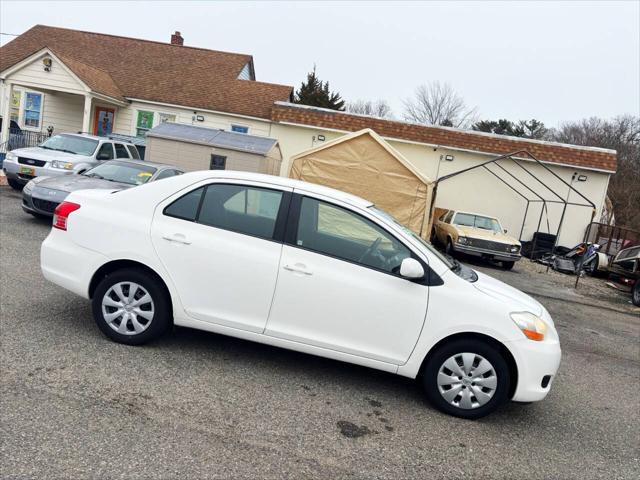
{"x":364,"y":164}
{"x":197,"y":148}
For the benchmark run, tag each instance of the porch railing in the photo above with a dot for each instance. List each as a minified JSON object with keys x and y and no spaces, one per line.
{"x":21,"y":139}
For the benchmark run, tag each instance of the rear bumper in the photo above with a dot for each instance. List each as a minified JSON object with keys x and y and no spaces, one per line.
{"x":67,"y":264}
{"x":481,"y":252}
{"x":535,"y":361}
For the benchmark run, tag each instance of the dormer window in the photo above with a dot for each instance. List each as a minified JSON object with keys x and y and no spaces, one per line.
{"x":245,"y":74}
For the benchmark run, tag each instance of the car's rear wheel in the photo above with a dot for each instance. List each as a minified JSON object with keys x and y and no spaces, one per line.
{"x":635,"y":293}
{"x":508,"y":265}
{"x":16,"y":185}
{"x":131,"y":307}
{"x":466,"y":378}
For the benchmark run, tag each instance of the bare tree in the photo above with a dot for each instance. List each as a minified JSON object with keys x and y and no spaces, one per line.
{"x":378,"y":108}
{"x":623,"y":135}
{"x":438,"y":103}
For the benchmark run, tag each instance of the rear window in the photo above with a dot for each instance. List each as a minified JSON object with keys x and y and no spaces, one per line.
{"x":186,"y":207}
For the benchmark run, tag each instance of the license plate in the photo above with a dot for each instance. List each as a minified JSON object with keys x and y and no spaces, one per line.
{"x":27,"y":171}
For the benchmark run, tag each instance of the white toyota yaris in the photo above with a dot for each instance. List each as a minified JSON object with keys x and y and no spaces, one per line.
{"x":304,"y":267}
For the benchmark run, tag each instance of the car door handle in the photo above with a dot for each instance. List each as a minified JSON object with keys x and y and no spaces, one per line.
{"x":298,"y":268}
{"x":177,"y":238}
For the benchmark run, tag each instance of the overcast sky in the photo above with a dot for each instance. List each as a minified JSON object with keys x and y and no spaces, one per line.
{"x":547,"y":60}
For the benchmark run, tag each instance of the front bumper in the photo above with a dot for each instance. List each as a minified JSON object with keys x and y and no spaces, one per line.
{"x":537,"y":364}
{"x":491,"y":254}
{"x":42,"y":201}
{"x":13,"y":171}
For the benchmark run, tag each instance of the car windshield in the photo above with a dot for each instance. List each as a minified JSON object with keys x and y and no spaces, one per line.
{"x":477,"y":221}
{"x":71,"y":144}
{"x":122,"y":172}
{"x":389,"y":218}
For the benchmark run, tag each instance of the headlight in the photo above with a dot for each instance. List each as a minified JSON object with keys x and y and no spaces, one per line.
{"x":514,"y":248}
{"x":462,"y":240}
{"x":531,"y":325}
{"x":62,"y":165}
{"x":29,"y":186}
{"x":11,"y":156}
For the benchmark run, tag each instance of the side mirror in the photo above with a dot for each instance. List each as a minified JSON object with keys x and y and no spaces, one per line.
{"x":411,"y":268}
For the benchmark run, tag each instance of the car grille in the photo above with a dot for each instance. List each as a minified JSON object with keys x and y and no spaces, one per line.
{"x":488,"y":245}
{"x":31,"y":162}
{"x":44,"y":205}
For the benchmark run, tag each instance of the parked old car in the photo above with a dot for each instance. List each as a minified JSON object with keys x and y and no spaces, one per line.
{"x":477,"y":235}
{"x":42,"y":195}
{"x":625,"y":267}
{"x":63,"y":154}
{"x":304,"y":267}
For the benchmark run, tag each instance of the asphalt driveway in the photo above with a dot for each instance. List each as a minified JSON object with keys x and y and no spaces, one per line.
{"x":200,"y":405}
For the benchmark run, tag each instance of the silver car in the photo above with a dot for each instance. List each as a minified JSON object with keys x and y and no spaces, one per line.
{"x":42,"y":195}
{"x":64,"y":154}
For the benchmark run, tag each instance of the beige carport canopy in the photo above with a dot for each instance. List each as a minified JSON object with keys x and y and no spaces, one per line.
{"x":363,"y":164}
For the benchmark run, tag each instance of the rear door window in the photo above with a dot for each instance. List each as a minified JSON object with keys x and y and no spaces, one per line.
{"x":186,"y":207}
{"x":134,"y":152}
{"x":121,"y":151}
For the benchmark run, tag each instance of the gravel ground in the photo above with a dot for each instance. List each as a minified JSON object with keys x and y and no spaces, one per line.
{"x":199,"y":405}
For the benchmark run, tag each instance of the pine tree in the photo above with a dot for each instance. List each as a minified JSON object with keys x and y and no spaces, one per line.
{"x":316,"y":93}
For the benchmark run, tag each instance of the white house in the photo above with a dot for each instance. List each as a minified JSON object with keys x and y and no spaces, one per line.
{"x":67,"y":80}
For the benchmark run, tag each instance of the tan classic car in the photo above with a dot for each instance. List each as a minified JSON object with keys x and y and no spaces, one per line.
{"x":477,"y":235}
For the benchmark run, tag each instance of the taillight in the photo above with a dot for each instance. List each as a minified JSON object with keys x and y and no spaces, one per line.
{"x":61,"y":214}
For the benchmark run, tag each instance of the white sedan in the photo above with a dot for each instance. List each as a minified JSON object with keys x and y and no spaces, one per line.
{"x":303,"y":267}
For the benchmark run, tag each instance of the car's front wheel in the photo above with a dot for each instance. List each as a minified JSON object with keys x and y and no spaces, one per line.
{"x":635,"y":294}
{"x":508,"y":265}
{"x":467,"y":378}
{"x":131,"y":306}
{"x":16,"y":185}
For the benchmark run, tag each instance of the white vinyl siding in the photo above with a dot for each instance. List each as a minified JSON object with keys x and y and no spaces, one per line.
{"x":34,"y":75}
{"x":63,"y":112}
{"x":125,"y":122}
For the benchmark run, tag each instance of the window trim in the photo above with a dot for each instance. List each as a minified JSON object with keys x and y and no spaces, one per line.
{"x":430,"y":278}
{"x":281,"y":217}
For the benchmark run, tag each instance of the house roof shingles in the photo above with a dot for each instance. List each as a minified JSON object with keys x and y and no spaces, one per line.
{"x":587,"y":157}
{"x":123,"y":67}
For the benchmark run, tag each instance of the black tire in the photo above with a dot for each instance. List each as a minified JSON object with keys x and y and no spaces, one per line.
{"x":434,"y":237}
{"x":635,"y":293}
{"x":442,"y":354}
{"x":16,"y":185}
{"x":162,"y":315}
{"x":448,"y":249}
{"x":508,"y":265}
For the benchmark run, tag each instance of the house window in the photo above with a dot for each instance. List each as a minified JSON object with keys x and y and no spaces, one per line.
{"x":166,"y":117}
{"x":16,"y":100}
{"x":32,"y":109}
{"x":218,"y":162}
{"x":239,"y":129}
{"x":144,"y":123}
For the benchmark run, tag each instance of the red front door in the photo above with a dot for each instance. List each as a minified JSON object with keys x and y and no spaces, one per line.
{"x":103,"y":121}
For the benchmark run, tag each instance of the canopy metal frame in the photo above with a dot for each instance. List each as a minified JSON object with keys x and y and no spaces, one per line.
{"x":514,"y":157}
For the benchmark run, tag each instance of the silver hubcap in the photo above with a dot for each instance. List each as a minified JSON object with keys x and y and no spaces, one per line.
{"x":127,"y":308}
{"x":467,"y":380}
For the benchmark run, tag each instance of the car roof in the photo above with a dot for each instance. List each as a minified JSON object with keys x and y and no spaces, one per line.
{"x":95,"y":137}
{"x":279,"y":181}
{"x":145,"y":163}
{"x":476,"y":214}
